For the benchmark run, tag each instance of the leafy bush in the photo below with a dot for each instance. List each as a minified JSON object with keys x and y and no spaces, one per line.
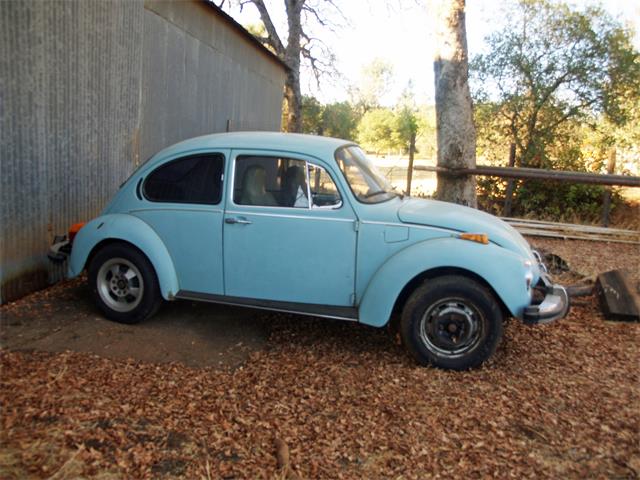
{"x":546,"y":200}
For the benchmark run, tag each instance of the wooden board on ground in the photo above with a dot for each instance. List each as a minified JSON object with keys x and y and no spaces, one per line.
{"x":572,"y":231}
{"x":618,"y":298}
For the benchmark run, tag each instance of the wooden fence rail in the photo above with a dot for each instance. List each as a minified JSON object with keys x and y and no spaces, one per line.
{"x":538,"y":173}
{"x":512,"y":172}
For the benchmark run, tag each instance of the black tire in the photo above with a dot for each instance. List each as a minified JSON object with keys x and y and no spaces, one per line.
{"x":451,"y":322}
{"x":117,"y":271}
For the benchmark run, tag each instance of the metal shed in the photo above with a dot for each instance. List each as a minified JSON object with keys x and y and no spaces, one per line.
{"x":88,"y":90}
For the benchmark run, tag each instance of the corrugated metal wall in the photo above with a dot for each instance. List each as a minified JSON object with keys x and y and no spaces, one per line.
{"x":197,"y":77}
{"x":89,"y":89}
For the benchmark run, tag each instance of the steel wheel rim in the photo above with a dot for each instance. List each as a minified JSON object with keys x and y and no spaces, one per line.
{"x":451,"y":327}
{"x":120,"y":284}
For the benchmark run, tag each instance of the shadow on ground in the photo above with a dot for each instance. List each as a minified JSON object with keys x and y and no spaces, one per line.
{"x":197,"y":334}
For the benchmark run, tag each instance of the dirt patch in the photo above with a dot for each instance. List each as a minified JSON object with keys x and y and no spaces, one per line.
{"x":197,"y":334}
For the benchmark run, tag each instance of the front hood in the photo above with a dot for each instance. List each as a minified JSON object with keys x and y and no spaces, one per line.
{"x":463,"y":219}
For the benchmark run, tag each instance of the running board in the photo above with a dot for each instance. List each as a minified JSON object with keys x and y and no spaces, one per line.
{"x":311,"y":309}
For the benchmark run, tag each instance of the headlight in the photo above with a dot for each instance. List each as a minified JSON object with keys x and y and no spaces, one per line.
{"x":528,"y":276}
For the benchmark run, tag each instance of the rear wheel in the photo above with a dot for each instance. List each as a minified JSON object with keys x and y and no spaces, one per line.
{"x":451,"y":322}
{"x":124,"y":284}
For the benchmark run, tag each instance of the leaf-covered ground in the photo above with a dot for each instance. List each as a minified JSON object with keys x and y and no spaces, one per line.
{"x":559,"y":401}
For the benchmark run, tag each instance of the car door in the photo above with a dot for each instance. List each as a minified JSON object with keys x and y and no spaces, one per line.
{"x":289,"y":235}
{"x":181,"y":200}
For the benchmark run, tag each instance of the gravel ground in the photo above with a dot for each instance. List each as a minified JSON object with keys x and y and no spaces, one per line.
{"x":340,"y":400}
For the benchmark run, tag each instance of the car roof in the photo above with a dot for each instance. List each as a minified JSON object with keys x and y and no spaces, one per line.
{"x":294,"y":142}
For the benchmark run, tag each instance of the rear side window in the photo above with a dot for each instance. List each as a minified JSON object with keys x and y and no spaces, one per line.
{"x":194,"y":179}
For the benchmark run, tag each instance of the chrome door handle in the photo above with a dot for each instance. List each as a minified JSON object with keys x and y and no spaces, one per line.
{"x":241,"y":221}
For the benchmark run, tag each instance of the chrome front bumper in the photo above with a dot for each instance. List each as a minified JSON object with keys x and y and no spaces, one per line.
{"x":554,"y":306}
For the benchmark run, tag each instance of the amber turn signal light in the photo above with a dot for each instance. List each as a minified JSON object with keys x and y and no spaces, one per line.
{"x":73,"y":230}
{"x":475,"y":237}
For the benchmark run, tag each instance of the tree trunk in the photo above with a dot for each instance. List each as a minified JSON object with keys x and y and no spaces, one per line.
{"x":454,"y":111}
{"x":290,"y":55}
{"x":292,"y":58}
{"x":294,"y":99}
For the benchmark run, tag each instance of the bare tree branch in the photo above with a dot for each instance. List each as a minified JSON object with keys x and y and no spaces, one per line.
{"x":313,"y":12}
{"x":302,"y":49}
{"x":273,"y":38}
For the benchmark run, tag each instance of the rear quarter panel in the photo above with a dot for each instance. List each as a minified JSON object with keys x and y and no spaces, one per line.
{"x":127,"y":228}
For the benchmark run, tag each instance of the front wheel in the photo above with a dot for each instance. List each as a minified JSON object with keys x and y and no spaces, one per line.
{"x":451,"y":322}
{"x":124,"y":283}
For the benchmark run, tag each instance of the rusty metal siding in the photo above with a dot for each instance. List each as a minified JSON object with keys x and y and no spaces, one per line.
{"x":90,"y":89}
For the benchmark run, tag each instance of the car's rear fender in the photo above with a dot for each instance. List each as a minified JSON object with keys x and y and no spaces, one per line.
{"x":130,"y":229}
{"x":503,"y":270}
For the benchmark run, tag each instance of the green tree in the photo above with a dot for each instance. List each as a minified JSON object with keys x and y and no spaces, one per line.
{"x":550,"y":65}
{"x":377,"y":130}
{"x":407,"y":121}
{"x":312,"y":112}
{"x":384,"y":129}
{"x":600,"y":139}
{"x":332,"y":120}
{"x":339,"y":120}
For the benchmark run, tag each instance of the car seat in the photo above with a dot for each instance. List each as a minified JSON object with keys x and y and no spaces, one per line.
{"x":295,"y":187}
{"x":254,"y":188}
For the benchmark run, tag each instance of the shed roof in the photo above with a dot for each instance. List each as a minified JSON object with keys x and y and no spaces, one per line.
{"x":245,"y":33}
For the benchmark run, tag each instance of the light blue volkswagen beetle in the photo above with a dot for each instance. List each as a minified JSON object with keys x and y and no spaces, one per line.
{"x":306,"y":224}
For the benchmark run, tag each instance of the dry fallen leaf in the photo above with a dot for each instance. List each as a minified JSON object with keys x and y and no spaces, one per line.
{"x":557,"y":401}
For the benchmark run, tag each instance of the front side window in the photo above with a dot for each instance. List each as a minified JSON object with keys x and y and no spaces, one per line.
{"x":283,"y":182}
{"x":194,"y":179}
{"x":324,"y":192}
{"x":270,"y":182}
{"x":366,"y":182}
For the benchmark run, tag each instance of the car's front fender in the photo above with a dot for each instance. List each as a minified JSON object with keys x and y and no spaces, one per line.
{"x":130,"y":229}
{"x":502,"y":269}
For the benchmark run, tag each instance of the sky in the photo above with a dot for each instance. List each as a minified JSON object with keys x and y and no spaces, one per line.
{"x":400,"y":32}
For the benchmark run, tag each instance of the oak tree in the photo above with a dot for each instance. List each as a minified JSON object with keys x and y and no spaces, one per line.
{"x":454,"y":112}
{"x":553,"y":64}
{"x":300,"y":47}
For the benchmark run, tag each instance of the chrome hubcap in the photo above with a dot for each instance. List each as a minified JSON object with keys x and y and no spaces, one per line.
{"x":451,"y":328}
{"x":120,"y":284}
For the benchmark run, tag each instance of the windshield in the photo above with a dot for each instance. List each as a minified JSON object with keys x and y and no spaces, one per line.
{"x":364,"y":179}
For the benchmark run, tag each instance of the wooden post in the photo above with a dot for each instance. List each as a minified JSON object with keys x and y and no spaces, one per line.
{"x":412,"y":149}
{"x":510,"y":183}
{"x":606,"y":196}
